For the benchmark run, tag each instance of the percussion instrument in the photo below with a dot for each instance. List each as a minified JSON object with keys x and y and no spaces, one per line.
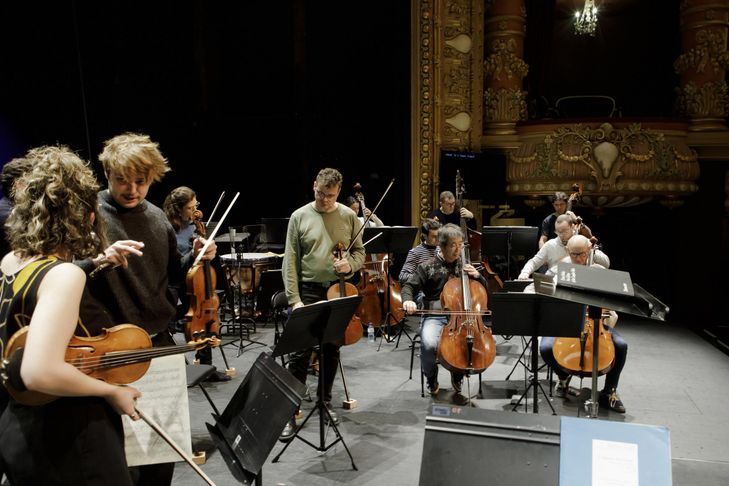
{"x":243,"y":270}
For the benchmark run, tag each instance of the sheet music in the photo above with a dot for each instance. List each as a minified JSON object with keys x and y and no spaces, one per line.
{"x":164,"y":399}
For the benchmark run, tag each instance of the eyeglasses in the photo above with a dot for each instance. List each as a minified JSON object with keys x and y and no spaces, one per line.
{"x":324,"y":195}
{"x":578,"y":255}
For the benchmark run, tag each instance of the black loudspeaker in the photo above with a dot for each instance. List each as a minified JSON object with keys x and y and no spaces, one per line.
{"x":249,"y":426}
{"x":467,"y":446}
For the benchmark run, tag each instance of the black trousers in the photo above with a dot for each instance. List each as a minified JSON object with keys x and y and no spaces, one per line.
{"x":329,"y":357}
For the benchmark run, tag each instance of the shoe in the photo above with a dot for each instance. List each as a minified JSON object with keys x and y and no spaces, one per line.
{"x":335,"y":417}
{"x":218,"y":376}
{"x":457,"y":384}
{"x":288,"y":432}
{"x":612,"y":401}
{"x":433,"y":388}
{"x":561,"y":388}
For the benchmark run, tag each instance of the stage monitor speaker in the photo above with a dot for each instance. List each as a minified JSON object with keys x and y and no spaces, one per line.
{"x":248,"y":428}
{"x":468,"y":446}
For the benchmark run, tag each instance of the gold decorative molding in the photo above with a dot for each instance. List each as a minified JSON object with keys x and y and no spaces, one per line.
{"x":711,"y":100}
{"x":702,"y":93}
{"x":616,"y":166}
{"x":423,"y":136}
{"x":503,"y":107}
{"x":709,"y":51}
{"x":502,"y":60}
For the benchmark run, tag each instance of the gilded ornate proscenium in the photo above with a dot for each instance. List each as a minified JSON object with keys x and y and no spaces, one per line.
{"x":617,"y":167}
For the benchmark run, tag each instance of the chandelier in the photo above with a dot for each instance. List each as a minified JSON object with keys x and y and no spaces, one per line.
{"x":586,"y":21}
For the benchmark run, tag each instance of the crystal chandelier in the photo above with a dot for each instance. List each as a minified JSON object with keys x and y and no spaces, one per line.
{"x":586,"y":21}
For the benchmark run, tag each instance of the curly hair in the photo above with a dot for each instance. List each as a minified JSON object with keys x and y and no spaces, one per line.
{"x":175,"y":202}
{"x":134,"y":154}
{"x":52,"y":212}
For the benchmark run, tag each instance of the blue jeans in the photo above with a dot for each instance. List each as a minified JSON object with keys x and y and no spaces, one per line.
{"x":613,"y":376}
{"x":429,"y":338}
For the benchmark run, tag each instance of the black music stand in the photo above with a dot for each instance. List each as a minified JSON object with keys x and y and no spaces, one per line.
{"x":599,"y":289}
{"x":532,"y":315}
{"x":391,"y":239}
{"x":509,"y":241}
{"x":314,"y":325}
{"x":248,"y":428}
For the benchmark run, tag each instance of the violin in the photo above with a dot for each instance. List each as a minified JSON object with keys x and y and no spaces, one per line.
{"x":202,"y":316}
{"x":120,"y":355}
{"x":466,"y":345}
{"x":353,"y":332}
{"x":375,"y":282}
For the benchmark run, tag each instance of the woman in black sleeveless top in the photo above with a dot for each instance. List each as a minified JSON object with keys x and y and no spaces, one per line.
{"x":76,"y":439}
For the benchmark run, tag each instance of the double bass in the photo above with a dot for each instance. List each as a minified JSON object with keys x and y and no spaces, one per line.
{"x":381,"y":299}
{"x":466,"y":345}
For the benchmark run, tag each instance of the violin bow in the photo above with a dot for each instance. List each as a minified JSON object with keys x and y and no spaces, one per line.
{"x":174,"y":445}
{"x":215,"y":208}
{"x":211,"y":237}
{"x":367,"y":219}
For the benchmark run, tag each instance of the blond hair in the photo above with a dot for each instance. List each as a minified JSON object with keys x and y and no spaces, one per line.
{"x":132,"y":154}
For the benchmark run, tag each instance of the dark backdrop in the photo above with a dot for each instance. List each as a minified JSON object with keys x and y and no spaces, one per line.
{"x":272,"y":90}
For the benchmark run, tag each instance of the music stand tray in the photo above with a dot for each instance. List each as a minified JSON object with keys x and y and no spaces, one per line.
{"x":389,"y":239}
{"x":520,"y":314}
{"x":311,"y":325}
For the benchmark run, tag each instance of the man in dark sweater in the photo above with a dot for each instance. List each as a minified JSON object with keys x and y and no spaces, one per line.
{"x":136,"y":292}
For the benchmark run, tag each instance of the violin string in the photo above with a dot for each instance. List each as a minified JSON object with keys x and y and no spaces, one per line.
{"x":130,"y":357}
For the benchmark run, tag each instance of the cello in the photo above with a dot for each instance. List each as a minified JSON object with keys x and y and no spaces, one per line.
{"x":575,"y":355}
{"x":466,"y":345}
{"x":378,"y":289}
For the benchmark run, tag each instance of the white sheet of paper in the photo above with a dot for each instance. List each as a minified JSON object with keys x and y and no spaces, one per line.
{"x":614,"y":463}
{"x":164,"y":399}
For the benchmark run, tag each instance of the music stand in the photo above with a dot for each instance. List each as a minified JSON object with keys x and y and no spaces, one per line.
{"x":314,"y":325}
{"x":391,"y":239}
{"x":509,"y":241}
{"x":599,"y":288}
{"x":248,"y":428}
{"x":532,"y":315}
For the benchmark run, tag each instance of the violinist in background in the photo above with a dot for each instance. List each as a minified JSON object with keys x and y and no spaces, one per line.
{"x":555,"y":250}
{"x":78,"y":438}
{"x":352,"y":203}
{"x":430,"y":278}
{"x":579,"y":248}
{"x":309,"y":268}
{"x":447,"y":213}
{"x":136,"y":289}
{"x":180,"y":206}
